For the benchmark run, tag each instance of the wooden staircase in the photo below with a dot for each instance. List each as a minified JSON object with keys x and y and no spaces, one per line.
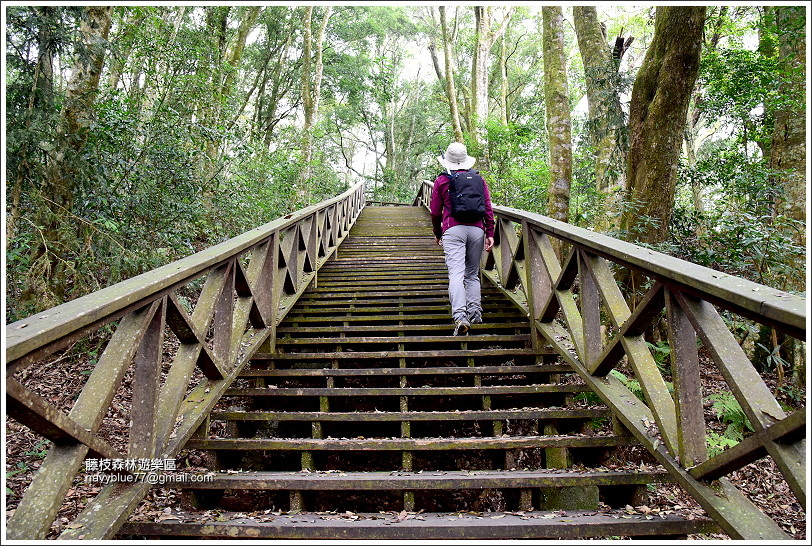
{"x":369,"y":420}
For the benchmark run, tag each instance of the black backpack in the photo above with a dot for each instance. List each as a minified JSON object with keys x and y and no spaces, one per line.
{"x":467,"y":191}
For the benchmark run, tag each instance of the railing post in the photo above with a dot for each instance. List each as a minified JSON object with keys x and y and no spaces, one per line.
{"x":687,"y":385}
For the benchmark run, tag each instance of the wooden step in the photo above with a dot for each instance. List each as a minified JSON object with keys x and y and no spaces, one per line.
{"x":424,"y":526}
{"x":366,"y":372}
{"x":400,"y":416}
{"x":407,"y":391}
{"x":485,"y":328}
{"x":484,"y":338}
{"x":408,"y":444}
{"x":451,"y":353}
{"x":405,"y":481}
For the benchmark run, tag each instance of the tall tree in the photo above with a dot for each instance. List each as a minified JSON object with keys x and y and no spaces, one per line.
{"x":559,"y":125}
{"x":312,"y":74}
{"x":606,"y":118}
{"x":657,"y":114}
{"x":62,"y":174}
{"x":223,"y":63}
{"x":485,"y":37}
{"x":450,"y":89}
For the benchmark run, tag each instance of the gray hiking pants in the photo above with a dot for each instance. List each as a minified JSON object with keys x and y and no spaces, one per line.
{"x":463,"y":251}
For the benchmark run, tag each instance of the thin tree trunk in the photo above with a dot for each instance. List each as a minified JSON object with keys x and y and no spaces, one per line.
{"x":480,"y":68}
{"x":312,"y":69}
{"x":659,"y":104}
{"x":119,"y":61}
{"x":503,"y":82}
{"x":556,"y":99}
{"x":605,"y":113}
{"x":450,"y":91}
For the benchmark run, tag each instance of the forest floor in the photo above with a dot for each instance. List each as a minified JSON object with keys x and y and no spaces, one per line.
{"x":761,"y":481}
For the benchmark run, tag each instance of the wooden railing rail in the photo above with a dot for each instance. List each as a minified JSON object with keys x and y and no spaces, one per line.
{"x":248,"y":284}
{"x":578,"y":307}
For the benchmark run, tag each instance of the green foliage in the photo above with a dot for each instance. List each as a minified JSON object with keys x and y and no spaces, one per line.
{"x":519,"y":174}
{"x":661,"y":351}
{"x":631,"y":384}
{"x":741,"y":234}
{"x":735,"y":83}
{"x":717,"y":443}
{"x":40,"y":450}
{"x":729,"y":411}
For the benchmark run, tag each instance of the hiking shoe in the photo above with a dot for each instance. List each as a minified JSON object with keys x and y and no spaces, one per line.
{"x":461,"y":328}
{"x":476,"y":318}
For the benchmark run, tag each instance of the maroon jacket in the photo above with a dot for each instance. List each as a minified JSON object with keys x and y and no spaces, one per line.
{"x":440,"y":209}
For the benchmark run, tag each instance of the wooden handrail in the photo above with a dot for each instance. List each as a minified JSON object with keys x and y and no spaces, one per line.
{"x":251,"y":281}
{"x":573,"y":302}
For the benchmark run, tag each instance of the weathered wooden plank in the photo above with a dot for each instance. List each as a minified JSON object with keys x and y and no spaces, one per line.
{"x":383,"y":481}
{"x":788,"y":430}
{"x":410,"y":444}
{"x":479,"y":338}
{"x":408,"y":391}
{"x":457,"y":370}
{"x":210,"y":294}
{"x":590,"y":311}
{"x":389,"y":309}
{"x":634,"y":326}
{"x":654,"y":388}
{"x":598,"y":269}
{"x":685,"y":369}
{"x":47,"y":420}
{"x":174,"y":389}
{"x":486,"y":326}
{"x":470,"y":415}
{"x":145,"y":386}
{"x":395,"y":354}
{"x":493,"y":526}
{"x":223,"y":319}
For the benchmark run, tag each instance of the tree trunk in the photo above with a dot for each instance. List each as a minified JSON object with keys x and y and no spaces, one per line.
{"x":659,"y":104}
{"x":605,"y":114}
{"x":47,"y":276}
{"x":788,"y":147}
{"x":216,"y":25}
{"x":787,"y":158}
{"x":480,"y":69}
{"x":312,"y":69}
{"x":503,"y":81}
{"x":556,"y":99}
{"x":450,"y":90}
{"x":124,"y":40}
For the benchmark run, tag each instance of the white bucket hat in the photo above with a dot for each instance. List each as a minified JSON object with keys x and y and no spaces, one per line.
{"x":456,"y":157}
